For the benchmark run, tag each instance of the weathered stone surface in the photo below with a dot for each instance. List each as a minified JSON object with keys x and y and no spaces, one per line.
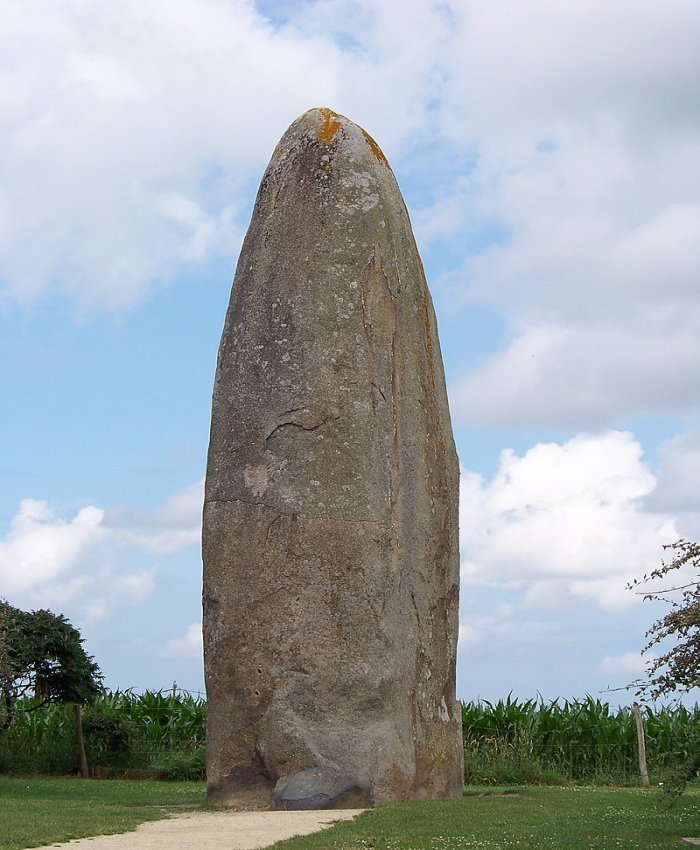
{"x":321,"y":788}
{"x":330,"y":519}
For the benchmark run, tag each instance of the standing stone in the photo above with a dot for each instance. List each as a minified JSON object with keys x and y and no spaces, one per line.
{"x":330,"y":543}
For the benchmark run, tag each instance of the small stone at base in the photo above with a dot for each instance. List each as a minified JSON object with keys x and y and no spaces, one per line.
{"x":321,"y":788}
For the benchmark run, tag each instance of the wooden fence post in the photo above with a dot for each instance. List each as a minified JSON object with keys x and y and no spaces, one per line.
{"x":641,"y":744}
{"x":82,"y":758}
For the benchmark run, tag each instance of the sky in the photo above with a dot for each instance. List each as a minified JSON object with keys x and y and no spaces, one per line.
{"x":549,"y":156}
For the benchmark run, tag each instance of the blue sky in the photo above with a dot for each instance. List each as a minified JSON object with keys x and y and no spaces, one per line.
{"x":548,"y":156}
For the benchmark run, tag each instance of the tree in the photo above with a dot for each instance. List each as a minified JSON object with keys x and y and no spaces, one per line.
{"x":677,"y":669}
{"x":5,"y":665}
{"x":42,"y":655}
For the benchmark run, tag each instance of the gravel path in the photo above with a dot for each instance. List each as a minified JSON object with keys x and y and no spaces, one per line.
{"x":229,"y":830}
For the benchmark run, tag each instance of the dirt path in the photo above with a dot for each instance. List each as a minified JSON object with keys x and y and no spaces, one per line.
{"x":229,"y":830}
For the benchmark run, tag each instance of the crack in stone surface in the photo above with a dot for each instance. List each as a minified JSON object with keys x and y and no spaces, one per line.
{"x":293,"y":424}
{"x":329,"y":517}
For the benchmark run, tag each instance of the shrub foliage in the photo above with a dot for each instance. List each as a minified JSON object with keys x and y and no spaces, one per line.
{"x":677,"y":668}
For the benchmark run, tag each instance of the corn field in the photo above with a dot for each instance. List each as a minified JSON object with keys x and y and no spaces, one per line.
{"x":125,"y":734}
{"x":505,"y":742}
{"x":583,"y":741}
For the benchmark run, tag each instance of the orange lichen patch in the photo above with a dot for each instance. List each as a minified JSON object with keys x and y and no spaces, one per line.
{"x":374,"y":147}
{"x":330,"y":126}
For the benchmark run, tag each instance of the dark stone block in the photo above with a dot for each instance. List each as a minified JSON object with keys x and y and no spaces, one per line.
{"x":321,"y":788}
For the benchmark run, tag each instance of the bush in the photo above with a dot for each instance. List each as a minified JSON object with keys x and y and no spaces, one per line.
{"x":179,"y":765}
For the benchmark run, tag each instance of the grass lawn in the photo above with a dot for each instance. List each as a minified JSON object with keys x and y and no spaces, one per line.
{"x":563,"y":818}
{"x":43,"y":811}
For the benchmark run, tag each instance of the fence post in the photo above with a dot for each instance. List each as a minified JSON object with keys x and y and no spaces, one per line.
{"x":82,"y":758}
{"x":641,"y":745}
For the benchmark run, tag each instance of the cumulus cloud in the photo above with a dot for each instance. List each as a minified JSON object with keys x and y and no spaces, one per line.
{"x":584,"y":375}
{"x":41,"y":547}
{"x":507,"y":626}
{"x":586,"y":168}
{"x":524,"y":64}
{"x":174,"y":526}
{"x":133,"y":131}
{"x":564,"y":522}
{"x":130,"y":135}
{"x":677,"y":482}
{"x":604,"y":316}
{"x":566,"y":189}
{"x":49,"y":560}
{"x":679,"y":473}
{"x":627,"y":664}
{"x":187,"y":646}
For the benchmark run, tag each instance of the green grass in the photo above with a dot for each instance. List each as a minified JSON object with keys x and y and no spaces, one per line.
{"x":576,"y":818}
{"x":44,"y":811}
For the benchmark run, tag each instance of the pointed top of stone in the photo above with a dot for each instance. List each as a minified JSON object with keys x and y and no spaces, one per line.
{"x":336,"y":132}
{"x":325,"y":154}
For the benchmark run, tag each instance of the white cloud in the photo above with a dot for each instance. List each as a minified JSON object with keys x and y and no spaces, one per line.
{"x":129,"y":134}
{"x":679,"y":473}
{"x":174,"y":526}
{"x":137,"y":127}
{"x":585,"y":375}
{"x":587,"y":168}
{"x":564,"y":522}
{"x":677,"y":484}
{"x":188,"y":646}
{"x":48,"y":560}
{"x":470,"y":635}
{"x":627,"y":664}
{"x":135,"y":588}
{"x":41,"y":547}
{"x":506,"y":626}
{"x":524,"y":65}
{"x":603,"y":305}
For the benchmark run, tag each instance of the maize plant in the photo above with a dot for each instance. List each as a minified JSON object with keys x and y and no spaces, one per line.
{"x":579,"y":740}
{"x":152,"y":733}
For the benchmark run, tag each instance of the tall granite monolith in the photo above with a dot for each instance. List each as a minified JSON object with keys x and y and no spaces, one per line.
{"x":330,"y":538}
